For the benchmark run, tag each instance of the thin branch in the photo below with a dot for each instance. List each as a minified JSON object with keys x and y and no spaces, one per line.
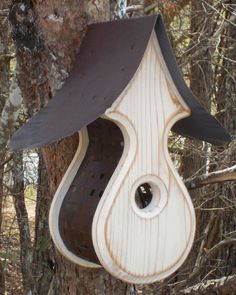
{"x":214,"y":209}
{"x":203,"y":242}
{"x":6,"y":161}
{"x":133,"y":8}
{"x":10,"y":113}
{"x":218,"y":12}
{"x":4,"y":12}
{"x":224,"y":285}
{"x":219,"y":246}
{"x":138,"y":7}
{"x":151,"y":7}
{"x":210,"y":253}
{"x":6,"y":56}
{"x":213,"y":42}
{"x":210,"y":178}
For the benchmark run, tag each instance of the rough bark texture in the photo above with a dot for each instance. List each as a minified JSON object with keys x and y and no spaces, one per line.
{"x":2,"y":274}
{"x":26,"y":252}
{"x":43,"y":258}
{"x":4,"y":91}
{"x":194,"y":160}
{"x":39,"y":27}
{"x":4,"y":59}
{"x":227,"y":96}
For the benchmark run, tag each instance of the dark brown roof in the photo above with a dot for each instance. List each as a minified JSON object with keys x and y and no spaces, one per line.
{"x":109,"y":56}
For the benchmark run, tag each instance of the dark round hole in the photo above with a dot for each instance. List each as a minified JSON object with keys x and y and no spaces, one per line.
{"x":143,"y":195}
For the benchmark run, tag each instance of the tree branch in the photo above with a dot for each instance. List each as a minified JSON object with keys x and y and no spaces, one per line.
{"x":6,"y":56}
{"x":4,"y":12}
{"x":6,"y":161}
{"x":211,"y":252}
{"x":212,"y":43}
{"x":170,"y":11}
{"x":210,"y":178}
{"x":9,"y":114}
{"x":224,"y":285}
{"x":133,"y":8}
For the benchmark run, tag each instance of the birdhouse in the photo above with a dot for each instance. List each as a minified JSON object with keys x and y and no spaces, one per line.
{"x":122,"y":204}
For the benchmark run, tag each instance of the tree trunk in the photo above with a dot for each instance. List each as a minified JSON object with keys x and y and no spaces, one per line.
{"x":43,"y":260}
{"x":226,"y":98}
{"x":45,"y":60}
{"x":2,"y":271}
{"x":195,"y":159}
{"x":4,"y":92}
{"x":18,"y":193}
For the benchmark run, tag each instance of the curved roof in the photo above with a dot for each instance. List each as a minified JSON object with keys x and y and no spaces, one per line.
{"x":108,"y":59}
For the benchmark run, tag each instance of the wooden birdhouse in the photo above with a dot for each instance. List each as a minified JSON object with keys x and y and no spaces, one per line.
{"x":122,"y":204}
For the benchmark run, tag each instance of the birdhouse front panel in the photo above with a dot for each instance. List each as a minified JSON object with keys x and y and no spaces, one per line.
{"x":145,"y":244}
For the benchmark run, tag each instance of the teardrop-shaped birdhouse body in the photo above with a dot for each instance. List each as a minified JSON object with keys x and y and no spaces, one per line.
{"x":143,"y":244}
{"x":121,"y":203}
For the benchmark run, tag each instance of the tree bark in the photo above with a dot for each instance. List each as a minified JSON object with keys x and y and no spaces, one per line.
{"x":45,"y":60}
{"x":226,"y":99}
{"x":2,"y":270}
{"x":18,"y":193}
{"x":43,"y":256}
{"x":195,"y":159}
{"x":4,"y":92}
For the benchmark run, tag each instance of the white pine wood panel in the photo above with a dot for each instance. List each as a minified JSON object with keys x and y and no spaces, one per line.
{"x":133,"y":244}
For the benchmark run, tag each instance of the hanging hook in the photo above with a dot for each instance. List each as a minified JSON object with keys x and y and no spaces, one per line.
{"x":121,"y":9}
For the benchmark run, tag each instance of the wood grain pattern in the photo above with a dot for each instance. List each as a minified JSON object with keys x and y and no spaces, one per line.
{"x":145,"y":245}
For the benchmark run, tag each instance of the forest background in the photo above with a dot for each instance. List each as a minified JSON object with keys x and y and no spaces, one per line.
{"x":38,"y":43}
